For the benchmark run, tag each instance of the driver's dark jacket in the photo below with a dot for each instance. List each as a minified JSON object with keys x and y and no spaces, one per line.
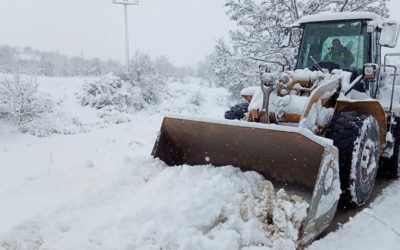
{"x":343,"y":57}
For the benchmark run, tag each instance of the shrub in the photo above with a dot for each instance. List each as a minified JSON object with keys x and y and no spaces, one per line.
{"x":20,"y":100}
{"x":125,"y":94}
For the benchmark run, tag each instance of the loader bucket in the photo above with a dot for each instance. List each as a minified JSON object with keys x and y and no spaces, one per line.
{"x":290,"y":157}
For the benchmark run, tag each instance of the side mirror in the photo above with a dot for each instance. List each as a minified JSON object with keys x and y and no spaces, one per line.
{"x":285,"y":35}
{"x":389,"y":34}
{"x":370,"y":70}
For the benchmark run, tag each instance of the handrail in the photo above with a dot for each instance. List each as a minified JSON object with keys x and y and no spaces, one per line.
{"x":389,"y":55}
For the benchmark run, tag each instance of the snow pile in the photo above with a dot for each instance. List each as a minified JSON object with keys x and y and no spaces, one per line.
{"x":151,"y":206}
{"x":281,"y":215}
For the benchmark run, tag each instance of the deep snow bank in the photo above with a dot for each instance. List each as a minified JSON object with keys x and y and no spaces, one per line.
{"x":150,"y":206}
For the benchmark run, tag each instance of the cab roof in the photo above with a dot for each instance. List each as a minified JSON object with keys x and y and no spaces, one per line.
{"x":330,"y":16}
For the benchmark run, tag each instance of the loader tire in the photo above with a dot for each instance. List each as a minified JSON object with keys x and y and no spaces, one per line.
{"x":237,"y":112}
{"x":357,"y":138}
{"x":390,"y":167}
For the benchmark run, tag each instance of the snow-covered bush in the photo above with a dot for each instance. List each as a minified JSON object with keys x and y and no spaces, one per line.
{"x":126,"y":93}
{"x":20,"y":100}
{"x":111,"y":91}
{"x":145,"y":75}
{"x":130,"y":92}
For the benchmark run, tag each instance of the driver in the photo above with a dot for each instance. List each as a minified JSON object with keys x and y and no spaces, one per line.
{"x":339,"y":54}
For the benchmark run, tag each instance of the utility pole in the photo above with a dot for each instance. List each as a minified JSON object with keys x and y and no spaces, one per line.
{"x":126,"y":3}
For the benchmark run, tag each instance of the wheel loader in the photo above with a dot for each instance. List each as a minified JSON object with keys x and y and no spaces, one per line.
{"x":319,"y":131}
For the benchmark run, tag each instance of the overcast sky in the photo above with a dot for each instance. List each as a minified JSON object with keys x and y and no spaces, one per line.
{"x":183,"y":30}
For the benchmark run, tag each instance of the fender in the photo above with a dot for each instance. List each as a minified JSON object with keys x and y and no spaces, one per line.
{"x":368,"y":107}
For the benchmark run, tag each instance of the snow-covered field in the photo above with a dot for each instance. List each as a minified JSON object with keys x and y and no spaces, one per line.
{"x":99,"y":188}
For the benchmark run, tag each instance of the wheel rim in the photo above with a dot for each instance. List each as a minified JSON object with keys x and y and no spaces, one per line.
{"x":368,"y":163}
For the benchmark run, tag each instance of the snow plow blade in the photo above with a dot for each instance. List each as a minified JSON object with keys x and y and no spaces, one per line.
{"x":291,"y":158}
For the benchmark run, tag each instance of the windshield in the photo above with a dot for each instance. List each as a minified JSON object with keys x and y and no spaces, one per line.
{"x":335,"y":43}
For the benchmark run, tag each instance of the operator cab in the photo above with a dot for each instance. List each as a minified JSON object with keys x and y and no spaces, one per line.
{"x":361,"y":36}
{"x":319,"y":41}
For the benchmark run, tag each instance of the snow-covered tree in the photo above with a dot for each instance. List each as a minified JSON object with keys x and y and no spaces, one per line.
{"x":145,"y":75}
{"x":260,"y":22}
{"x":232,"y":71}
